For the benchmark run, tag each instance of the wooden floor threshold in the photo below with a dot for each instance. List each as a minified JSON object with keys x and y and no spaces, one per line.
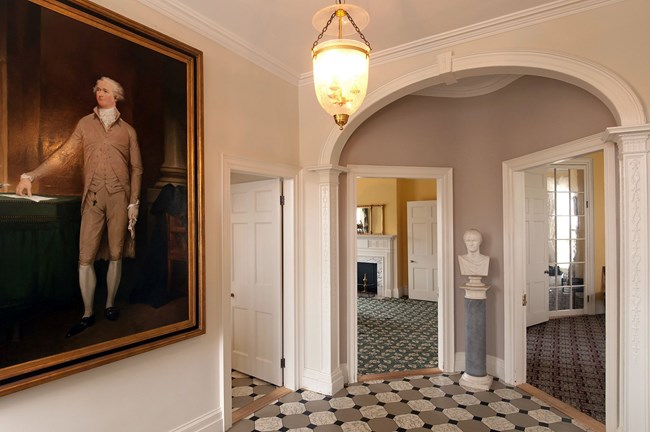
{"x":582,"y":419}
{"x":401,"y":374}
{"x":258,"y":404}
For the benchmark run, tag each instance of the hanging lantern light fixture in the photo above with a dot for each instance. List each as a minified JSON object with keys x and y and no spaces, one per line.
{"x":341,"y":65}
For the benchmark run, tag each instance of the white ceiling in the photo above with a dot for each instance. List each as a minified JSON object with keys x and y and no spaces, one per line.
{"x":278,"y":34}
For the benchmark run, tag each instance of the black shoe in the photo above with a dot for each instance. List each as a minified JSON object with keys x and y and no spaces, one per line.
{"x":81,"y":326}
{"x":111,"y":313}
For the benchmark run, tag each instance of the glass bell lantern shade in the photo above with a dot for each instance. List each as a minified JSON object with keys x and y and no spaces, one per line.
{"x":341,"y":77}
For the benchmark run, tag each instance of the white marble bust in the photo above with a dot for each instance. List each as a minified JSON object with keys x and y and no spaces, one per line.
{"x":473,"y":263}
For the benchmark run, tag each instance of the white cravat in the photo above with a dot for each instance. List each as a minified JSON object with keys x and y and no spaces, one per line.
{"x":108,"y":116}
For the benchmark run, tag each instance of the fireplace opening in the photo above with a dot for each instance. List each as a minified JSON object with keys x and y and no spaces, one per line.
{"x":369,"y":271}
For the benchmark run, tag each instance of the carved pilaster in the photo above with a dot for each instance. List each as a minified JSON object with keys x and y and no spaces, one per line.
{"x":329,"y":377}
{"x":634,"y":166}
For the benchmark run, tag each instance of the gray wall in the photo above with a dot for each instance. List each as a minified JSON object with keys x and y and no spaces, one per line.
{"x":474,"y":136}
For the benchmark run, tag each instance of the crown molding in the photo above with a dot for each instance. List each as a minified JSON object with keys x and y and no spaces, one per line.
{"x":229,"y":40}
{"x":470,"y":88}
{"x":233,"y":42}
{"x":505,"y":23}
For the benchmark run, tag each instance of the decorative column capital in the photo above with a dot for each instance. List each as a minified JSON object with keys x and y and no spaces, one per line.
{"x":328,"y":173}
{"x":630,"y":139}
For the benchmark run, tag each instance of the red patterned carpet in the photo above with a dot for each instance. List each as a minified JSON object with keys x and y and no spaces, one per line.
{"x":566,"y":359}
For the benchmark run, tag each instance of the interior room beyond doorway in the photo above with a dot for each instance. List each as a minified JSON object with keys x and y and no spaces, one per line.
{"x":397,"y":330}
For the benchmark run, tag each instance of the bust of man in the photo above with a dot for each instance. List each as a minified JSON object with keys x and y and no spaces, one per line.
{"x":473,"y":263}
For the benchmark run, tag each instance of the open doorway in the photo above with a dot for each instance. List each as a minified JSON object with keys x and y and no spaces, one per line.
{"x":397,"y":269}
{"x":565,"y":250}
{"x":516,"y":255}
{"x":373,"y":319}
{"x":259,"y":286}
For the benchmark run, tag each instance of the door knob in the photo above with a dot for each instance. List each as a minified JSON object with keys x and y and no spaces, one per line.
{"x":412,"y":261}
{"x":232,"y":295}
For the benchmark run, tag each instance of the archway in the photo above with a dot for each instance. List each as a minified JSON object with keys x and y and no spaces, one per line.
{"x":599,"y":81}
{"x":606,"y":86}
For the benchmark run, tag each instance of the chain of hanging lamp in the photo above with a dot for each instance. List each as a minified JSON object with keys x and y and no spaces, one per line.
{"x":334,"y":15}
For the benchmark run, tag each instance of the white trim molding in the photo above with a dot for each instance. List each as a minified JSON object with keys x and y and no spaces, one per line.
{"x":514,"y":253}
{"x":470,"y":87}
{"x":209,"y":422}
{"x":205,"y":26}
{"x":444,"y":190}
{"x":634,"y":171}
{"x":611,"y":89}
{"x":185,"y":15}
{"x":320,"y":305}
{"x":292,"y":347}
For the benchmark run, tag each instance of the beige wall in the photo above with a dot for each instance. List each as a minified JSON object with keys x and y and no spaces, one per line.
{"x":474,"y":136}
{"x":169,"y":387}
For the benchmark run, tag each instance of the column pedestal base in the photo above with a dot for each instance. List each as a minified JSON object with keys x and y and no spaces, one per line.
{"x":482,"y":383}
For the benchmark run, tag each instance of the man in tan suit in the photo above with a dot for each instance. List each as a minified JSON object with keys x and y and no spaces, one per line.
{"x":112,"y":168}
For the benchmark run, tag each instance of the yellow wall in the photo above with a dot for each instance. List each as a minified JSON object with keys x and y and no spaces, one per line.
{"x":394,"y":194}
{"x":379,"y":191}
{"x":409,"y":190}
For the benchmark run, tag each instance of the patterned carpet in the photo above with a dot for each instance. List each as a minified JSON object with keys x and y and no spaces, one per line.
{"x":396,"y":335}
{"x":566,"y":359}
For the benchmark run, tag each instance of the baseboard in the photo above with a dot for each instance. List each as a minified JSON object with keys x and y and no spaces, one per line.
{"x":209,"y":422}
{"x":322,"y":383}
{"x":494,"y":365}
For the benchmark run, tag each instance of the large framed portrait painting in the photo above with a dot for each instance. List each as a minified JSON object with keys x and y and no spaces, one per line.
{"x":101,"y":221}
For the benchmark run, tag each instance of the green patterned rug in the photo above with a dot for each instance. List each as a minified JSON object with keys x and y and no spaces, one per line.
{"x":396,"y":335}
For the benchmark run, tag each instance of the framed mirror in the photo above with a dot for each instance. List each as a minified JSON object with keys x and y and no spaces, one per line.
{"x":370,"y":219}
{"x":364,"y":218}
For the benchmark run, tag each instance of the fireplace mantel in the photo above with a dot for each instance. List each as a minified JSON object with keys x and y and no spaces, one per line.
{"x":380,"y":249}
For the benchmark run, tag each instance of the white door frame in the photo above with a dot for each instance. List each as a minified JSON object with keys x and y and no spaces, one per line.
{"x":514,"y":265}
{"x":445,"y":196}
{"x":289,"y":175}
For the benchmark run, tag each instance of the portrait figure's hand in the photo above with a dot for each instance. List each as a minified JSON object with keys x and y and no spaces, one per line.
{"x":24,"y":187}
{"x":133,"y":210}
{"x":133,"y":213}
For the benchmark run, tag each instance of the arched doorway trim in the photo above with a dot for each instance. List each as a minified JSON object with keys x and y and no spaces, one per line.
{"x":611,"y":89}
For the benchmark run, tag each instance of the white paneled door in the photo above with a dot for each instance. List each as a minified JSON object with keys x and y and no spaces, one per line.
{"x":256,"y":297}
{"x":537,"y":310}
{"x":422,"y":229}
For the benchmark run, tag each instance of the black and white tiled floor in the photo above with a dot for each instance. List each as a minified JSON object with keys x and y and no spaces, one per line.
{"x":246,"y":389}
{"x":414,"y":404}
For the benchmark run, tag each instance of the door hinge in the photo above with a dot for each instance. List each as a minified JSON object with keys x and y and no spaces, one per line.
{"x":587,"y":204}
{"x":588,"y":299}
{"x":281,"y":200}
{"x":282,"y":363}
{"x":524,"y":300}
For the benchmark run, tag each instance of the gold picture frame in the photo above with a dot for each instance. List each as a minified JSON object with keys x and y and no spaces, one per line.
{"x":52,"y":52}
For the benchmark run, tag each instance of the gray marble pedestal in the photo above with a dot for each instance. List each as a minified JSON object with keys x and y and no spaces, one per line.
{"x":475,"y":356}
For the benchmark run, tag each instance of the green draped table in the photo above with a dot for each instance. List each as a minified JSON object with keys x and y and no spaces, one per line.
{"x":39,"y":248}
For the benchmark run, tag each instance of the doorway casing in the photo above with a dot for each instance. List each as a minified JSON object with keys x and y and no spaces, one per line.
{"x":514,"y":265}
{"x":444,"y":186}
{"x":288,"y":174}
